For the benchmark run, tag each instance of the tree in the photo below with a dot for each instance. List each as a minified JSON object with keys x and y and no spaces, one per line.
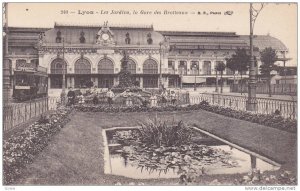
{"x":221,"y":67}
{"x":231,"y":64}
{"x":239,"y":62}
{"x":268,"y":58}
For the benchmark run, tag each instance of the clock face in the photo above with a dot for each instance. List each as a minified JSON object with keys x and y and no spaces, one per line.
{"x":105,"y":36}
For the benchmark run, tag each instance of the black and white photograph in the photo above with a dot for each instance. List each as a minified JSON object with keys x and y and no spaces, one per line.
{"x":150,"y":94}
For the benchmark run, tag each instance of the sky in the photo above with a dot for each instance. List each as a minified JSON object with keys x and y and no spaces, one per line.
{"x":277,"y":19}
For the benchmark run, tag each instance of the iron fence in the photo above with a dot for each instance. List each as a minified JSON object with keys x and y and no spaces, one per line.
{"x":286,"y":108}
{"x":17,"y":114}
{"x":276,"y":89}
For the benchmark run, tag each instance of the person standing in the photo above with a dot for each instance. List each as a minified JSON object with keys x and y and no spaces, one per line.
{"x":173,"y":97}
{"x":110,"y":95}
{"x":71,"y":96}
{"x":164,"y":97}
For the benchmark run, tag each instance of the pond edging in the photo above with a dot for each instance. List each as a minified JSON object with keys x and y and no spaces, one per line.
{"x":238,"y":147}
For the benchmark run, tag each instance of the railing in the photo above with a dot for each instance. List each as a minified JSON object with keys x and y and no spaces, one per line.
{"x":17,"y":114}
{"x":286,"y":108}
{"x":276,"y":89}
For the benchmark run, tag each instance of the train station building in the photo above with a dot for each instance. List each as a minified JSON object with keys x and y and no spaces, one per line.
{"x":93,"y":53}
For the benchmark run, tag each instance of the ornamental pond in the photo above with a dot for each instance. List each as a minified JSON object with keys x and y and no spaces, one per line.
{"x":126,"y":156}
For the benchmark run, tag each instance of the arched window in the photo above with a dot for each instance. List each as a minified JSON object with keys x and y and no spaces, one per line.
{"x":131,"y":66}
{"x":194,"y":67}
{"x":182,"y":68}
{"x":20,"y":63}
{"x":150,"y":67}
{"x":82,"y":66}
{"x":57,"y":66}
{"x":105,"y":66}
{"x":34,"y":62}
{"x":207,"y":67}
{"x":171,"y":66}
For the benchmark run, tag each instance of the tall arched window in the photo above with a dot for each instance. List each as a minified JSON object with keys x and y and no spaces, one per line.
{"x":194,"y":67}
{"x":207,"y":67}
{"x":182,"y":68}
{"x":131,"y":66}
{"x":150,"y":66}
{"x":105,"y":66}
{"x":56,"y":66}
{"x":82,"y":66}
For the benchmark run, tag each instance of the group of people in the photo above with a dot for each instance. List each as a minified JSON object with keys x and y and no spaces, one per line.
{"x":72,"y":96}
{"x":166,"y":96}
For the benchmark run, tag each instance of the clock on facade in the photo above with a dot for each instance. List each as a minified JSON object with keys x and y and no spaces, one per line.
{"x":105,"y":36}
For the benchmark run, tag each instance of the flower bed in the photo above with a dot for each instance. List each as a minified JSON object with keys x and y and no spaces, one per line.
{"x":275,"y":121}
{"x":21,"y":149}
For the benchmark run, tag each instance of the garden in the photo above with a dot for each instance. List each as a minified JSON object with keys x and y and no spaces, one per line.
{"x":166,"y":149}
{"x":148,"y":141}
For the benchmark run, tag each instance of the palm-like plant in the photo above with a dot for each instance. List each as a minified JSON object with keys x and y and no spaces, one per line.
{"x":159,"y":133}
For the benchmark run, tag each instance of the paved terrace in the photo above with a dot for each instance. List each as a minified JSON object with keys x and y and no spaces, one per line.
{"x":75,"y":155}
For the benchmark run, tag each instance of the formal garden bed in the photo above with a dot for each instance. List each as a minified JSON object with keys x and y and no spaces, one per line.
{"x":21,"y":148}
{"x":274,"y":120}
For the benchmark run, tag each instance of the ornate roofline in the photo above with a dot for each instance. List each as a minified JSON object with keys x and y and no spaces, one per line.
{"x":195,"y":33}
{"x":97,"y":25}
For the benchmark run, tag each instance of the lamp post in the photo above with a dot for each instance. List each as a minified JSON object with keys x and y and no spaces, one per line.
{"x":6,"y":72}
{"x":252,"y":102}
{"x":195,"y":70}
{"x":217,"y":88}
{"x":284,"y":68}
{"x":63,"y":92}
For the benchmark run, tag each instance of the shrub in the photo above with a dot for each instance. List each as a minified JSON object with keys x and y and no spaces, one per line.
{"x":159,"y":133}
{"x":43,"y":119}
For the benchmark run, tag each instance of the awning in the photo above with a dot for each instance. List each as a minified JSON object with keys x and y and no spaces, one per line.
{"x":191,"y":79}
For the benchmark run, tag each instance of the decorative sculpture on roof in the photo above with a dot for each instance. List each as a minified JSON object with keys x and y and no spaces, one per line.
{"x":105,"y":36}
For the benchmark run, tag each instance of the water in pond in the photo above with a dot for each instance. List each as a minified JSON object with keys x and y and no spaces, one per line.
{"x":213,"y":163}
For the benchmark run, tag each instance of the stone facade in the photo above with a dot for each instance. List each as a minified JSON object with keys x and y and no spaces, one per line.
{"x":94,"y":53}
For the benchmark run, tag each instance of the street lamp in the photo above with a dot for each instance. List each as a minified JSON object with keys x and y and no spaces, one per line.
{"x":6,"y":71}
{"x":217,"y":89}
{"x":195,"y":70}
{"x":252,"y":102}
{"x":63,"y":92}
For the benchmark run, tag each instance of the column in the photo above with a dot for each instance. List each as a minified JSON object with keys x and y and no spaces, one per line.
{"x":95,"y":81}
{"x":200,"y":67}
{"x":141,"y":82}
{"x":73,"y":82}
{"x":49,"y":82}
{"x":69,"y":81}
{"x":188,"y":66}
{"x":176,"y":63}
{"x":116,"y":81}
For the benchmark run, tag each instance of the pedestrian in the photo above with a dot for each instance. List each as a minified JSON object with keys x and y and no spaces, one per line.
{"x":80,"y":98}
{"x":173,"y":97}
{"x":164,"y":97}
{"x":110,"y":95}
{"x":71,"y":96}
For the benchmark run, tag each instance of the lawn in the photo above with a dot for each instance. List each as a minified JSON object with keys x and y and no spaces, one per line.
{"x":75,"y":155}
